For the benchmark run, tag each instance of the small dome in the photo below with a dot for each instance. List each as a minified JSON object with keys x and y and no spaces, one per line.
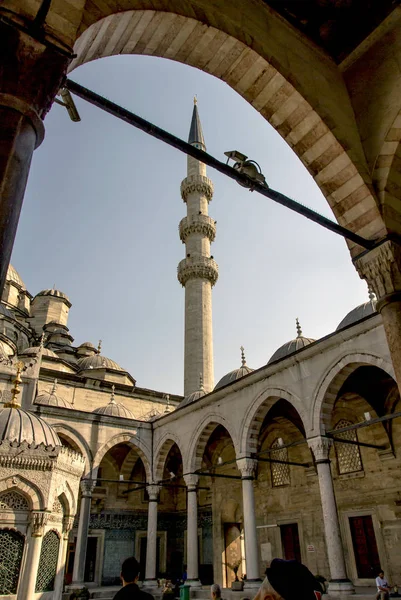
{"x":35,"y":350}
{"x":292,"y":346}
{"x":87,"y":345}
{"x":236,"y":374}
{"x":54,"y":293}
{"x":18,"y":425}
{"x":195,"y":395}
{"x":360,"y":312}
{"x":14,"y":277}
{"x":97,"y":361}
{"x":114,"y":409}
{"x":51,"y":399}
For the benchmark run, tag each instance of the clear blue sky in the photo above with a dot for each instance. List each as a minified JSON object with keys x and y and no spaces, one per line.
{"x":100,"y":221}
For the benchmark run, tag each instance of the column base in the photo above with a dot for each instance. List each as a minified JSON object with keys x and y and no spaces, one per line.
{"x":252,"y":584}
{"x":150,"y":583}
{"x":195,"y":583}
{"x":340,"y":587}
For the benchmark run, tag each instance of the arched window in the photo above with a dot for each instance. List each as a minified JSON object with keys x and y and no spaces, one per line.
{"x":280,"y":472}
{"x":48,"y":563}
{"x":348,"y":455}
{"x":13,"y":501}
{"x":11,"y":550}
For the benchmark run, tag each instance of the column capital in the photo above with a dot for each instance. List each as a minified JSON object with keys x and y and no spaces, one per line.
{"x":68,"y":523}
{"x":87,"y":486}
{"x":320,"y":447}
{"x":381,"y":268}
{"x":191,"y":481}
{"x":247,"y":467}
{"x":153,"y":492}
{"x":38,"y":522}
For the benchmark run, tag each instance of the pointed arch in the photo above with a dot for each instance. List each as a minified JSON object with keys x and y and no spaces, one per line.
{"x":200,"y":438}
{"x":257,"y":412}
{"x":77,"y":439}
{"x":130,"y":439}
{"x":161,"y":452}
{"x":332,"y":381}
{"x":27,"y":488}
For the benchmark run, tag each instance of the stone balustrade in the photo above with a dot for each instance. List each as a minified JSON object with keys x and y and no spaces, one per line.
{"x":197,"y":267}
{"x":202,"y":224}
{"x":199,"y":184}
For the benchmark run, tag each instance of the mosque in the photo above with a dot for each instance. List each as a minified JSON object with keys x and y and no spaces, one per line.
{"x":299,"y":458}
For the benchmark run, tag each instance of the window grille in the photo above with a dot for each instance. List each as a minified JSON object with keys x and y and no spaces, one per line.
{"x":13,"y":501}
{"x":48,"y":563}
{"x":57,"y":506}
{"x":11,"y":550}
{"x":348,"y":456}
{"x":280,"y":472}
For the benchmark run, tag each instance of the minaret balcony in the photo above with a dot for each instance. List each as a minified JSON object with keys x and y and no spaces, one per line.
{"x":199,"y":184}
{"x":197,"y":267}
{"x":202,"y":224}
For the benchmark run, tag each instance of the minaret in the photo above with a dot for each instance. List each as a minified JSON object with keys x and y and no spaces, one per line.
{"x":198,"y":272}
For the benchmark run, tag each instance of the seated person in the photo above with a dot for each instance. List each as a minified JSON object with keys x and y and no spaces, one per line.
{"x":383,"y":588}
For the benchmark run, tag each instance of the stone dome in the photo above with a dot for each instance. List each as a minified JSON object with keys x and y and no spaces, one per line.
{"x":35,"y":350}
{"x":55,"y":294}
{"x":360,"y":312}
{"x":114,"y":409}
{"x":97,"y":361}
{"x":18,"y":425}
{"x":14,"y":277}
{"x":52,"y":399}
{"x":87,"y":345}
{"x":195,"y":395}
{"x":292,"y":346}
{"x":236,"y":374}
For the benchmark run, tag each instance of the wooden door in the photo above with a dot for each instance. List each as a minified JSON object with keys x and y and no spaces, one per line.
{"x":290,"y":542}
{"x":365,"y":547}
{"x":232,"y":540}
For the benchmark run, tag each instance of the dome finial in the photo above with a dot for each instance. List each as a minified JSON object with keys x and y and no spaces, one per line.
{"x":42,"y":340}
{"x":54,"y":387}
{"x":201,"y":383}
{"x":112,"y":399}
{"x":299,"y":330}
{"x":14,"y":403}
{"x":99,"y":346}
{"x":243,"y":360}
{"x":195,"y":100}
{"x":372,"y":296}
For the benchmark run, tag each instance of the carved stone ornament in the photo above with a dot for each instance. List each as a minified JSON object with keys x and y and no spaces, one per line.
{"x":320,"y":447}
{"x":197,"y":267}
{"x":202,"y":224}
{"x":199,"y":184}
{"x":38,"y":522}
{"x":68,"y":522}
{"x":87,"y":487}
{"x":381,"y":268}
{"x":153,"y":491}
{"x":247,"y":466}
{"x":191,"y":481}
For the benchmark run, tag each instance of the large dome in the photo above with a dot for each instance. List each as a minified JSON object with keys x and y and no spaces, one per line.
{"x":360,"y":312}
{"x":18,"y":425}
{"x":52,"y":399}
{"x":236,"y":374}
{"x":13,"y":275}
{"x":292,"y":346}
{"x":97,"y":361}
{"x":114,"y":409}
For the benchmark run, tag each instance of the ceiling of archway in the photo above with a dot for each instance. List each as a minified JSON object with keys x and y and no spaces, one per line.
{"x":338,"y":26}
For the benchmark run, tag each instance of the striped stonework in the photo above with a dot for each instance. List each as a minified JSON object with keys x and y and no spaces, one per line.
{"x":184,"y":39}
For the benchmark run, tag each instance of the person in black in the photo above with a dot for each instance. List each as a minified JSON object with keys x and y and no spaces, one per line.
{"x":129,"y":577}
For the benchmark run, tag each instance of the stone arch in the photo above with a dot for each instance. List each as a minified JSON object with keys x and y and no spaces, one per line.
{"x":23,"y":486}
{"x":64,"y":492}
{"x":263,"y":77}
{"x":257,"y":412}
{"x":77,"y":439}
{"x":331,"y":382}
{"x":161,"y":452}
{"x":200,"y":438}
{"x":125,"y":438}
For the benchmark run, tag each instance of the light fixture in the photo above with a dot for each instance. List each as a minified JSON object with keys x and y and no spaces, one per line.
{"x":172,"y":475}
{"x":280,"y":442}
{"x":68,"y":102}
{"x":219,"y":461}
{"x":248,"y":167}
{"x":367,"y":416}
{"x":121,"y":477}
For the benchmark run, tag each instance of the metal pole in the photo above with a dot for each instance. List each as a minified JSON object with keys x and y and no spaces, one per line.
{"x":208,"y":159}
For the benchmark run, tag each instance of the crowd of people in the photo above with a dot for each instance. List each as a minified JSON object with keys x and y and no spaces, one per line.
{"x":284,"y":580}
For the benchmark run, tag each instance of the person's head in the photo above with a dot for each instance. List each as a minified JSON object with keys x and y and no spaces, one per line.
{"x":290,"y":580}
{"x":215,"y":591}
{"x":381,"y":573}
{"x":130,"y":570}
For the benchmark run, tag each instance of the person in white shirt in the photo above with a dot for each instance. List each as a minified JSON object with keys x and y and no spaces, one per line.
{"x":383,"y":588}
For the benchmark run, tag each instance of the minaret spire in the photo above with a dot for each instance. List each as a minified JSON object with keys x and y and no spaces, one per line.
{"x":198,"y":272}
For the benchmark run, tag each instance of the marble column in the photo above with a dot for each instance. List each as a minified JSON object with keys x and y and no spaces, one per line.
{"x":191,"y":482}
{"x":247,"y":467}
{"x":62,"y":556}
{"x":151,"y":547}
{"x":26,"y":590}
{"x":339,"y":582}
{"x":31,"y":73}
{"x":78,"y":573}
{"x":381,"y":268}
